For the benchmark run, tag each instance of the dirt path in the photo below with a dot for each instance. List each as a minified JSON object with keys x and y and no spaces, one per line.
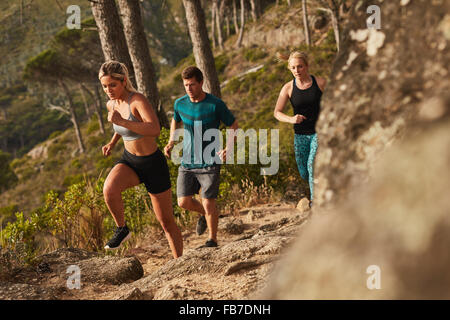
{"x":248,"y":246}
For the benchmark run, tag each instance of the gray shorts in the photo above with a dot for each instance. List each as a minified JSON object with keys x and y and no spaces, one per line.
{"x":190,"y":181}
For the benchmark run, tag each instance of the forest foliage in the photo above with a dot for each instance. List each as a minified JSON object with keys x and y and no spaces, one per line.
{"x":66,"y":206}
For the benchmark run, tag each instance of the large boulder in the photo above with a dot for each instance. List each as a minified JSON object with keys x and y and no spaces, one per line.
{"x":383,"y":167}
{"x":379,"y":81}
{"x":390,"y":241}
{"x":93,"y":267}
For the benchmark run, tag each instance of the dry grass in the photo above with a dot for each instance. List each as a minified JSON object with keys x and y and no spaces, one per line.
{"x":249,"y":195}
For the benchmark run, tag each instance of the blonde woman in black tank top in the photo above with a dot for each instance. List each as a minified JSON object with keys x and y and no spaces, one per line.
{"x":304,"y":92}
{"x":135,"y":121}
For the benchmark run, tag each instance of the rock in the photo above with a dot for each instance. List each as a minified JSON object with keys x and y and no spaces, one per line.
{"x":22,"y":291}
{"x":386,"y":76}
{"x":397,"y":224}
{"x":93,"y":267}
{"x":254,"y":215}
{"x":175,"y":292}
{"x":111,"y":270}
{"x":43,"y":267}
{"x":66,"y":256}
{"x":303,"y":205}
{"x":383,"y":169}
{"x":133,"y":294}
{"x":232,"y":227}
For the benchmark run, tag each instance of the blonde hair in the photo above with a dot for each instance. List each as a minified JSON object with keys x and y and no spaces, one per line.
{"x":117,"y":71}
{"x":298,"y":55}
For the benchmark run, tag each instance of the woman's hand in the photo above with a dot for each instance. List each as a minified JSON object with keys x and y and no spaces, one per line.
{"x":115,"y":117}
{"x":298,"y":118}
{"x":106,"y":149}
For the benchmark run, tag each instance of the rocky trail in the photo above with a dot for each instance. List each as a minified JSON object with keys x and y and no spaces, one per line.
{"x":249,"y":245}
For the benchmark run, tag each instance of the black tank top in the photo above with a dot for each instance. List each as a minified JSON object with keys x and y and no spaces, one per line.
{"x":307,"y":103}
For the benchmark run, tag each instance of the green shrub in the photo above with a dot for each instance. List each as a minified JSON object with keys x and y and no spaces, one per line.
{"x":96,"y":141}
{"x":104,"y":163}
{"x":54,"y":134}
{"x":73,"y":179}
{"x":76,"y":163}
{"x":51,"y":164}
{"x":254,"y":54}
{"x":7,"y":214}
{"x":7,"y":176}
{"x":18,"y":162}
{"x":55,"y":148}
{"x":93,"y":126}
{"x":19,"y":236}
{"x":232,"y":86}
{"x":221,"y":62}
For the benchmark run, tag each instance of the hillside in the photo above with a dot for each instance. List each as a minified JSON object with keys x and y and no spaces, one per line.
{"x":55,"y":164}
{"x":54,"y":174}
{"x":383,"y":177}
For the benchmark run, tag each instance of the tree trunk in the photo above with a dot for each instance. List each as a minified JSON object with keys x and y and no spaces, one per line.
{"x":333,"y":8}
{"x":21,"y":12}
{"x":5,"y":114}
{"x":83,"y":96}
{"x":110,"y":31}
{"x":73,"y":117}
{"x":254,"y":4}
{"x":305,"y":23}
{"x":97,"y":105}
{"x":140,"y":56}
{"x":213,"y":24}
{"x":201,"y":47}
{"x":98,"y":109}
{"x":335,"y":24}
{"x":22,"y":142}
{"x":219,"y":25}
{"x":241,"y":31}
{"x":235,"y":20}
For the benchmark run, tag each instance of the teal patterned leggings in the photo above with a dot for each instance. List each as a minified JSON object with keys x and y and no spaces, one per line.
{"x":305,"y":147}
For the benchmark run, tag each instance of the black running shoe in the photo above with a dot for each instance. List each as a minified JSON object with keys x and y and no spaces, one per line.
{"x":120,"y":235}
{"x":210,"y":243}
{"x":201,"y":225}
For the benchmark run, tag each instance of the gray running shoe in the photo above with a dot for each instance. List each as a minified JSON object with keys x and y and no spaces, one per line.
{"x":201,"y":225}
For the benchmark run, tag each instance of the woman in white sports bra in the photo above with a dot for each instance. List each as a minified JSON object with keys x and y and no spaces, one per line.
{"x":135,"y":121}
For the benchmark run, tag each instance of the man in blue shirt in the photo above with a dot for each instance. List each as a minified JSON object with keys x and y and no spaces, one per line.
{"x":201,"y":114}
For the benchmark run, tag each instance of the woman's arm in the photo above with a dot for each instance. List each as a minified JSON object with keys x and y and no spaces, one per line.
{"x":281,"y":103}
{"x":150,"y":123}
{"x":321,"y":82}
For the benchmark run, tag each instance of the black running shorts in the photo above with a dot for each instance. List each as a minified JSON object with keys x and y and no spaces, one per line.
{"x":152,"y":170}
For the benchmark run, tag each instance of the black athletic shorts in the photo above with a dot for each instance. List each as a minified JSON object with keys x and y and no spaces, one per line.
{"x":152,"y":170}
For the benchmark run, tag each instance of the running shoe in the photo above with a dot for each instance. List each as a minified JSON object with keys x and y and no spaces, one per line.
{"x":201,"y":225}
{"x":210,"y":243}
{"x":120,"y":235}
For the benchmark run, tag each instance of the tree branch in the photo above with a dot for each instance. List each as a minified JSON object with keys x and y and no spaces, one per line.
{"x":58,"y":108}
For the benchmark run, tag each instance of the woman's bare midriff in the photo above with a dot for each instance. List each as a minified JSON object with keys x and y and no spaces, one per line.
{"x":141,"y":147}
